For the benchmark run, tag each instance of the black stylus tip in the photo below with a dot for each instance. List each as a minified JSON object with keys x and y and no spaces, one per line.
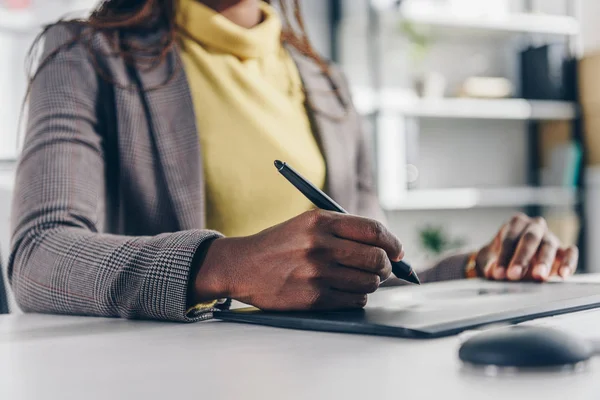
{"x":413,"y":278}
{"x":279,"y":165}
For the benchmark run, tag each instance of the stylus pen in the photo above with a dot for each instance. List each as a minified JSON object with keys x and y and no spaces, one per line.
{"x":401,"y":269}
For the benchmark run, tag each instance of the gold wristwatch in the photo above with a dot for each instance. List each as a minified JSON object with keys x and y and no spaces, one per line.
{"x":471,"y":267}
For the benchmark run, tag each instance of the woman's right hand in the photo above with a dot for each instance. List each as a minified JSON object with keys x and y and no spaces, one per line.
{"x":317,"y":261}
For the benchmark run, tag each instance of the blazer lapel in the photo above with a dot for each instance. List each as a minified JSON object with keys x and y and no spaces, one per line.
{"x":325,"y":111}
{"x":172,"y":120}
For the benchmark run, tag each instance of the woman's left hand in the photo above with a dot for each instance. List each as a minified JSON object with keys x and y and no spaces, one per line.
{"x":524,"y":249}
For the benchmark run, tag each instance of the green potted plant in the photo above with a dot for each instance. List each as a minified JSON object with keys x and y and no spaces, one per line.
{"x":426,"y":83}
{"x":436,"y":241}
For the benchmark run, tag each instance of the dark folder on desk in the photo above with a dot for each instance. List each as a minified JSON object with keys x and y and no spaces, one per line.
{"x":436,"y":310}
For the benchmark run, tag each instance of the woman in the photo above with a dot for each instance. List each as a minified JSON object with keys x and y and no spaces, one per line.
{"x":146,"y":187}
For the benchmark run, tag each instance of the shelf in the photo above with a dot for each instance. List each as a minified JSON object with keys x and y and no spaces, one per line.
{"x":502,"y":109}
{"x":441,"y":23}
{"x":456,"y":199}
{"x":18,"y":21}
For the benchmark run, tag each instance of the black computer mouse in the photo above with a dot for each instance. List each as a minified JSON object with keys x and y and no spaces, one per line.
{"x":525,"y":347}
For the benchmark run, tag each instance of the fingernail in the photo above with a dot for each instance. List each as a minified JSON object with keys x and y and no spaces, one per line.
{"x":541,"y":271}
{"x":500,"y":273}
{"x":564,"y":272}
{"x":515,"y":273}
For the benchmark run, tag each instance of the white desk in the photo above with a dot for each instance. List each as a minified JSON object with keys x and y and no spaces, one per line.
{"x":53,"y":357}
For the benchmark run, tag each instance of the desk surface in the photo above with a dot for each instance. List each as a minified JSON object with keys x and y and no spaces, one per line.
{"x":54,"y":357}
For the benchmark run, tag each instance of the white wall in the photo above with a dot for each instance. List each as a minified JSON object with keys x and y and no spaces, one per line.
{"x":591,"y":27}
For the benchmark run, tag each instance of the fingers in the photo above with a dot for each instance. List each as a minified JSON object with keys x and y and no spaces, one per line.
{"x":510,"y":241}
{"x":526,"y":249}
{"x":351,"y":280}
{"x":486,"y":261}
{"x":368,"y":232}
{"x":566,"y":262}
{"x":544,"y":260}
{"x":369,"y":259}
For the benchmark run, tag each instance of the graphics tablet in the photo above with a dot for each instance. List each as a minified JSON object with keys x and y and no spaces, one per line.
{"x":437,"y":309}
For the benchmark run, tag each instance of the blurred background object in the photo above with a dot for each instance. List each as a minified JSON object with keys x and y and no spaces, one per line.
{"x":479,"y":101}
{"x":435,"y":242}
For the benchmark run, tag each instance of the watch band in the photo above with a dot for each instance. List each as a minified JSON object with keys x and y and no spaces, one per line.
{"x":471,"y":267}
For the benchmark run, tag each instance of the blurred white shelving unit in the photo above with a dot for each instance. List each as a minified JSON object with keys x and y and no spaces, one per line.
{"x":368,"y":102}
{"x":469,"y":198}
{"x":443,"y":24}
{"x":392,"y":108}
{"x":447,"y":24}
{"x":414,"y":135}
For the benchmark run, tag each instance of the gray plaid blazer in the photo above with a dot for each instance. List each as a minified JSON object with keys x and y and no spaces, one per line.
{"x":109,"y":201}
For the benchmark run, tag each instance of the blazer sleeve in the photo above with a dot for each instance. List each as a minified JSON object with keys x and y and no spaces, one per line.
{"x":368,"y":202}
{"x":60,"y":262}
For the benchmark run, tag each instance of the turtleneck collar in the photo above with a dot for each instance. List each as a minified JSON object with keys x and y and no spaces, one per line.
{"x":213,"y":30}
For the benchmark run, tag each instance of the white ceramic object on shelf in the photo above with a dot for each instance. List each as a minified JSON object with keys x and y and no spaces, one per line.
{"x":486,"y":88}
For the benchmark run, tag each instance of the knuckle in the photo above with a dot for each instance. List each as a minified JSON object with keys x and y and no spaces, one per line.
{"x":380,"y":259}
{"x":340,"y":254}
{"x":551,"y":241}
{"x":313,"y":247}
{"x":377,"y":231}
{"x":398,"y":245}
{"x":530,"y":236}
{"x":547,"y":254}
{"x":315,"y":299}
{"x":312,"y":273}
{"x":573,"y":252}
{"x":386,"y":273}
{"x":518,"y":218}
{"x":373,"y":284}
{"x":540,"y":221}
{"x":317,"y":217}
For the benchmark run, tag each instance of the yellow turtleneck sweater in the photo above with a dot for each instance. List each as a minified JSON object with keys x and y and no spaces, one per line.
{"x":250,"y":111}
